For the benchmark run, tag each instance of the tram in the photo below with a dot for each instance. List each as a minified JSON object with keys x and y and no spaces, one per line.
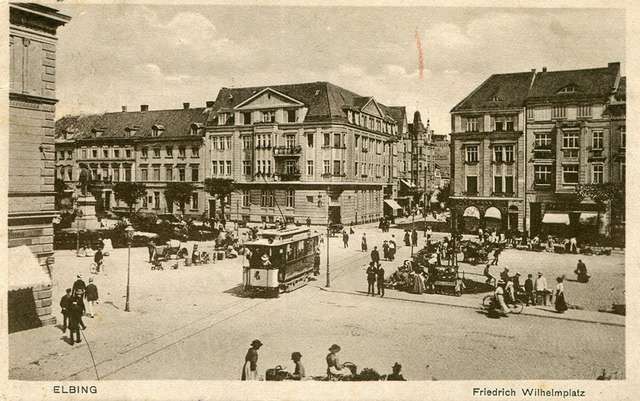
{"x":280,"y":260}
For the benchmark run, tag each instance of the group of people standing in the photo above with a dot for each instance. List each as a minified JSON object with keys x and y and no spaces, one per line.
{"x":73,"y":306}
{"x":375,"y":275}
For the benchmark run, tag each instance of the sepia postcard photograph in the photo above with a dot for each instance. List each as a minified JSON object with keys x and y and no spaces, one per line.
{"x":316,"y":193}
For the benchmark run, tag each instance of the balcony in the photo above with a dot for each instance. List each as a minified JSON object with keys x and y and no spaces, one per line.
{"x":292,"y":175}
{"x":287,"y":151}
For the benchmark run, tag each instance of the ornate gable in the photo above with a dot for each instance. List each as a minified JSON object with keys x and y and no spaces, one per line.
{"x":372,"y":108}
{"x":268,"y":99}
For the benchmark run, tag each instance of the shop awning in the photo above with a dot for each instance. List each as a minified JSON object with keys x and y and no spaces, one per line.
{"x":24,"y":269}
{"x":556,"y":218}
{"x":408,"y":183}
{"x":588,"y":218}
{"x":393,"y":204}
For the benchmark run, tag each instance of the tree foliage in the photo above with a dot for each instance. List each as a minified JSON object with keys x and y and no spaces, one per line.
{"x":600,"y":193}
{"x":179,"y":193}
{"x":129,"y":192}
{"x":220,"y":188}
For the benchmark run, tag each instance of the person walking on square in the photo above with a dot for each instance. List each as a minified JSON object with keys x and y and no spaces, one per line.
{"x":64,"y":306}
{"x":375,"y":255}
{"x":407,"y":238}
{"x":496,"y":255}
{"x":414,"y":237}
{"x":392,"y":248}
{"x":380,"y":280}
{"x":385,"y":250}
{"x":76,"y":310}
{"x":528,"y":290}
{"x":91,"y":295}
{"x":151,"y":247}
{"x":490,"y":279}
{"x":540,"y":287}
{"x":371,"y":278}
{"x":250,"y":368}
{"x":79,"y":284}
{"x":98,"y":259}
{"x":316,"y":262}
{"x":560,"y":303}
{"x":345,"y":238}
{"x":364,"y":242}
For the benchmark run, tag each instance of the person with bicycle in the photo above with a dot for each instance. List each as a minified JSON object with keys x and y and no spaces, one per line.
{"x":498,"y":298}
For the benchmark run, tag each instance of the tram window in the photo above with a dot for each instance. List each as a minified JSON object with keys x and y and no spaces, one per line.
{"x":277,"y":257}
{"x":302,"y":249}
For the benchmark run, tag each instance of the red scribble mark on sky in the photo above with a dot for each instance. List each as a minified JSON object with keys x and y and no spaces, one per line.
{"x":420,"y":55}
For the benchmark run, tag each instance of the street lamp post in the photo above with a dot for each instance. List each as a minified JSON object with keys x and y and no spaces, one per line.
{"x":413,"y":216}
{"x":328,"y":235}
{"x":129,"y":234}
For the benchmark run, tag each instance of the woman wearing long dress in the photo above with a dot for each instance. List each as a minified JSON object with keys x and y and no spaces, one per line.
{"x":364,"y":242}
{"x":250,"y":368}
{"x":561,"y":303}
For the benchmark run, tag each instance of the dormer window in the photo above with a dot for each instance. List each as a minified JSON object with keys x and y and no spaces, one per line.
{"x":568,"y":89}
{"x":98,"y":132}
{"x":269,"y":116}
{"x":291,"y":116}
{"x":194,"y":129}
{"x":131,"y":131}
{"x":156,"y":130}
{"x":222,"y":118}
{"x":496,"y":98}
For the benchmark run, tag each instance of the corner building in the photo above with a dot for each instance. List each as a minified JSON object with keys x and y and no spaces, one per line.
{"x":304,"y":150}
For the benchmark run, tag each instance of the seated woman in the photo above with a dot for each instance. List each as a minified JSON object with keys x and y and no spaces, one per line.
{"x":298,"y":371}
{"x":334,"y":368}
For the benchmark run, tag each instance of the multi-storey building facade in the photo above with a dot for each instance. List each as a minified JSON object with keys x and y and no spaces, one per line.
{"x":154,"y":147}
{"x":570,"y":142}
{"x":441,"y":150}
{"x":488,"y":153}
{"x":32,"y":99}
{"x":523,"y":142}
{"x":302,"y":150}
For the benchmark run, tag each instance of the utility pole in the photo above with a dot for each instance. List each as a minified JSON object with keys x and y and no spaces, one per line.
{"x":328,"y":235}
{"x":413,"y":216}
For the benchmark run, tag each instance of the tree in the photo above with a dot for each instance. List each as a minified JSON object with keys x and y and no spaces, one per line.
{"x":179,"y":193}
{"x":129,"y":193}
{"x":220,"y":188}
{"x":601,"y":194}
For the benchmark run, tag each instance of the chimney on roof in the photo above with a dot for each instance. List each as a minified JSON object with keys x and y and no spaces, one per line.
{"x":544,"y":69}
{"x":144,"y":107}
{"x":185,"y":106}
{"x":209,"y":103}
{"x":124,"y":109}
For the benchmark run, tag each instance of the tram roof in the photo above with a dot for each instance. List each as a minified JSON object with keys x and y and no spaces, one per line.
{"x":275,"y":237}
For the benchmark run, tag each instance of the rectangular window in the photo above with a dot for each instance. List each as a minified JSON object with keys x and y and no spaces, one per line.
{"x":168,"y":173}
{"x":472,"y":184}
{"x":542,"y":175}
{"x":194,"y":200}
{"x":290,"y":141}
{"x":291,"y":116}
{"x":508,"y":153}
{"x":326,"y":167}
{"x":570,"y":140}
{"x":336,"y":167}
{"x":144,"y":153}
{"x":570,"y":174}
{"x":584,"y":111}
{"x":503,"y":123}
{"x":497,"y":154}
{"x":156,"y":153}
{"x":269,"y":116}
{"x":127,"y":174}
{"x":116,"y":174}
{"x":222,"y":118}
{"x":195,"y":173}
{"x":228,"y":163}
{"x":84,"y":153}
{"x":246,"y":167}
{"x":128,"y":153}
{"x":357,"y":138}
{"x":246,"y":118}
{"x":542,"y":140}
{"x":105,"y":153}
{"x":471,"y":124}
{"x":214,"y":168}
{"x":246,"y":142}
{"x":471,"y":153}
{"x":195,"y":152}
{"x":336,"y":140}
{"x":309,"y":167}
{"x":597,"y":176}
{"x":291,"y":198}
{"x":169,"y":150}
{"x":182,"y":175}
{"x":245,"y":198}
{"x":144,"y":174}
{"x":156,"y":173}
{"x":94,"y":153}
{"x":597,"y":140}
{"x":497,"y":184}
{"x":290,"y":167}
{"x":327,"y":140}
{"x":558,"y":112}
{"x":181,"y":152}
{"x":530,"y":113}
{"x":144,"y":202}
{"x":156,"y":200}
{"x":310,"y":140}
{"x":623,"y":137}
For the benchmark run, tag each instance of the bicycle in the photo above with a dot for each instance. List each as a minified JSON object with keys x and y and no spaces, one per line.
{"x":516,"y":307}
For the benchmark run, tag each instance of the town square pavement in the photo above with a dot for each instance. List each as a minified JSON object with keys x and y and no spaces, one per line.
{"x":194,"y":323}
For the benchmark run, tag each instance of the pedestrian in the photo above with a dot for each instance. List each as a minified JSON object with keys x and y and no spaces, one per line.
{"x":98,"y":259}
{"x":392,"y":248}
{"x":250,"y":368}
{"x":371,"y":278}
{"x":375,"y":255}
{"x":308,"y":221}
{"x":540,"y":287}
{"x":151,"y":247}
{"x":490,"y":279}
{"x":504,"y":275}
{"x":496,"y":255}
{"x":316,"y":262}
{"x":396,"y":375}
{"x":79,"y":284}
{"x":528,"y":290}
{"x":385,"y":250}
{"x":345,"y":238}
{"x":581,"y":269}
{"x":407,"y":239}
{"x":64,"y":306}
{"x":560,"y":303}
{"x":414,"y":237}
{"x":91,"y":294}
{"x":573,"y":245}
{"x":75,"y":310}
{"x":380,"y":280}
{"x":298,"y":370}
{"x":364,"y":242}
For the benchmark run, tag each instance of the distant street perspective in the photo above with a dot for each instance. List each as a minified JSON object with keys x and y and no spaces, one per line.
{"x":362,"y":215}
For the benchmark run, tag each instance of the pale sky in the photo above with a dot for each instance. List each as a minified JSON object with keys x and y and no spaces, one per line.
{"x":114,"y":55}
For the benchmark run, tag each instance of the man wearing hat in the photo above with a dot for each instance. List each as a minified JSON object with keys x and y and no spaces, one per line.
{"x":75,"y":310}
{"x":540,"y":288}
{"x":79,"y":284}
{"x":250,"y":368}
{"x":91,"y":294}
{"x":396,"y":375}
{"x":334,"y":368}
{"x":528,"y":290}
